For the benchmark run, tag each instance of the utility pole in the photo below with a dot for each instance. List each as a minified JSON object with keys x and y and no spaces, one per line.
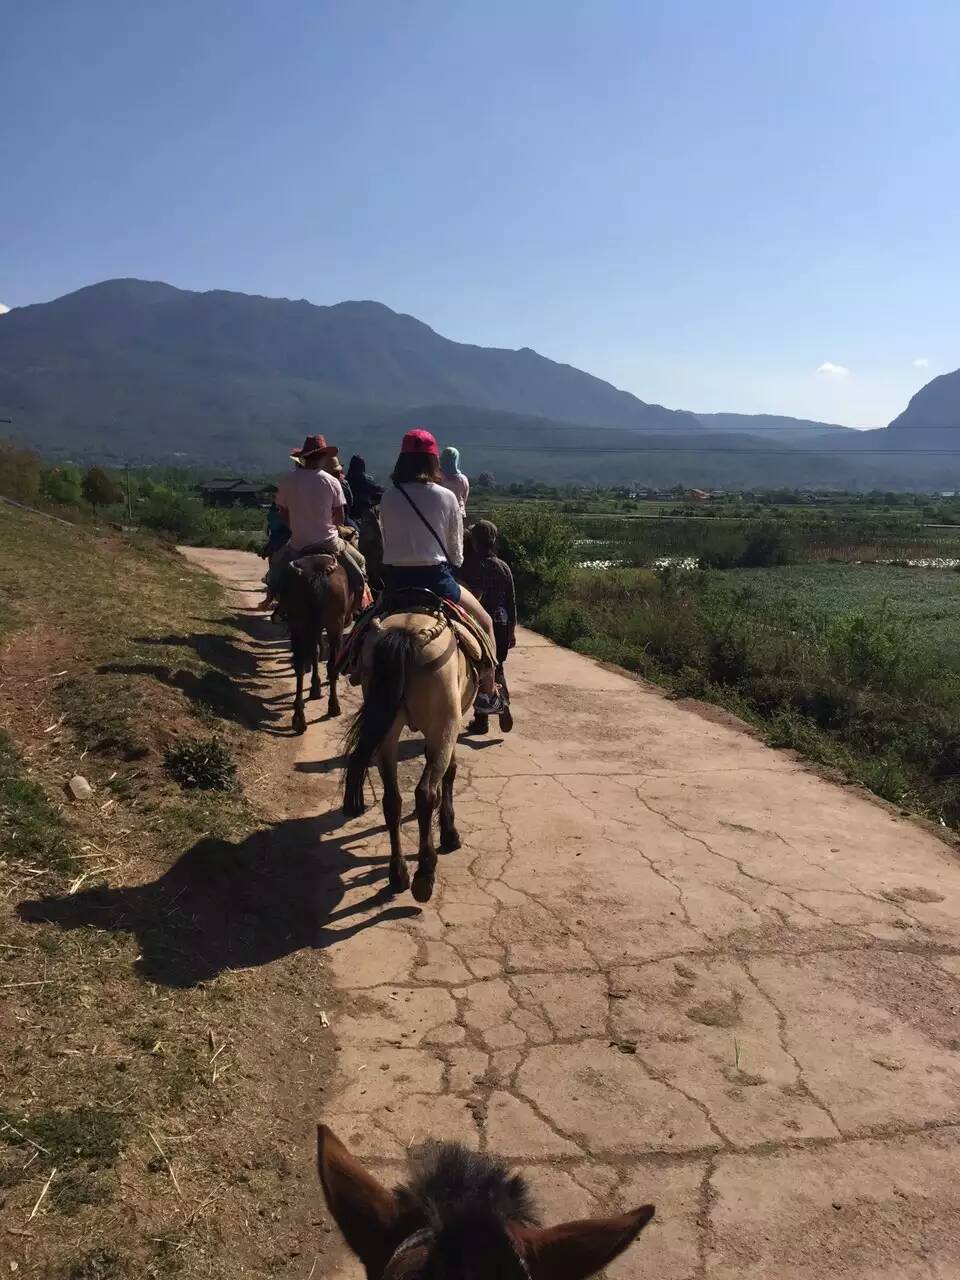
{"x":129,"y":499}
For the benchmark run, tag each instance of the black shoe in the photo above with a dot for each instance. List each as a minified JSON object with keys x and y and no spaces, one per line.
{"x":478,"y":726}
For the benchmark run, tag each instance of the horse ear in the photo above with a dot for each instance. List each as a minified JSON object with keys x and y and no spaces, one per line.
{"x":575,"y":1250}
{"x":364,"y":1210}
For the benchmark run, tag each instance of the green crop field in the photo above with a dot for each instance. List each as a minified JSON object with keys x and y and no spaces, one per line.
{"x":927,"y":599}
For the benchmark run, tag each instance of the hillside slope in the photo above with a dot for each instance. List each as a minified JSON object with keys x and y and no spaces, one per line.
{"x":936,"y":406}
{"x":127,"y":360}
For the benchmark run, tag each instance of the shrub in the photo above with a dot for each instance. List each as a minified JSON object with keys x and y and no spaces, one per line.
{"x":100,"y":488}
{"x":19,"y":472}
{"x":172,"y":513}
{"x":539,"y":547}
{"x":205,"y":763}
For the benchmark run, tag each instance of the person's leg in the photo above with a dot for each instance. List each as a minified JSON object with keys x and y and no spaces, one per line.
{"x":469,"y":602}
{"x":356,"y":569}
{"x":273,"y":575}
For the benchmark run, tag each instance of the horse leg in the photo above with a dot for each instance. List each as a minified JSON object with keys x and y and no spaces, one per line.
{"x":449,"y":835}
{"x":334,"y":639}
{"x":387,"y":764}
{"x":299,"y":719}
{"x":315,"y":671}
{"x":426,"y":796}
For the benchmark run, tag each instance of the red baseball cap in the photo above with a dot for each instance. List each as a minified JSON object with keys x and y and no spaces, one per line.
{"x":419,"y":441}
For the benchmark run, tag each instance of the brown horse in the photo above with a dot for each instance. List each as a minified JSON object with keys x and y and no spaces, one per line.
{"x":461,"y":1216}
{"x":414,"y":675}
{"x":371,"y":545}
{"x":315,"y":598}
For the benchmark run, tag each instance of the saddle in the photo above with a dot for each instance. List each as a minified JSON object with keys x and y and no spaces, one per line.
{"x":471,"y":640}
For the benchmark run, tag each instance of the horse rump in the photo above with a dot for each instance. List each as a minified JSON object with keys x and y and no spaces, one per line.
{"x":393,"y":653}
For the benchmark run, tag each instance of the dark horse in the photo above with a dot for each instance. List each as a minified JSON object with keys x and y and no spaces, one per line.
{"x":461,"y":1216}
{"x":315,"y":597}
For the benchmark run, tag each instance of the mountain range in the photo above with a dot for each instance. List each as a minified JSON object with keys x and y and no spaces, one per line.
{"x":139,"y":371}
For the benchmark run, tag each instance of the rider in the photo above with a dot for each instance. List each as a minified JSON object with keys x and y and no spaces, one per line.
{"x":452,"y":478}
{"x":366,"y":492}
{"x":311,"y":505}
{"x":423,"y":542}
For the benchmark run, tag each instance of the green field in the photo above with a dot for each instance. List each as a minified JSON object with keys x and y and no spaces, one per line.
{"x":928,"y":600}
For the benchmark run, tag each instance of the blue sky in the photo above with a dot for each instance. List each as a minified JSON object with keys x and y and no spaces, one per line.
{"x":705,"y":201}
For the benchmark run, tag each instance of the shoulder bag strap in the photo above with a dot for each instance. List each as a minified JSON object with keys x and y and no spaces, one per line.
{"x":425,"y":521}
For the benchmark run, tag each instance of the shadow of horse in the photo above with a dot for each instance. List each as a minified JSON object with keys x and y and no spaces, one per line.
{"x":225,"y":905}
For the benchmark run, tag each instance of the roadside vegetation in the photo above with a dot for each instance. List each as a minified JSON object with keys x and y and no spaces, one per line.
{"x":854,"y":665}
{"x":125,"y":1111}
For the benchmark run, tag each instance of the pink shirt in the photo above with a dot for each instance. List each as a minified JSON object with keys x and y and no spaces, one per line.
{"x":458,"y":485}
{"x":310,"y":498}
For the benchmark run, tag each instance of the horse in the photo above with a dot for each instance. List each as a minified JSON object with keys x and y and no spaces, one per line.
{"x":461,"y":1216}
{"x":315,"y":597}
{"x":414,"y":673}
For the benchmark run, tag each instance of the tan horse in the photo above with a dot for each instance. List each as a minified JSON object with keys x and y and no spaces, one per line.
{"x":414,"y":675}
{"x":315,"y":598}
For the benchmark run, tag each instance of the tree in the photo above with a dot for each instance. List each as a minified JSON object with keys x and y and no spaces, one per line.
{"x":100,"y":488}
{"x":485,"y":480}
{"x":62,"y":484}
{"x":19,"y":472}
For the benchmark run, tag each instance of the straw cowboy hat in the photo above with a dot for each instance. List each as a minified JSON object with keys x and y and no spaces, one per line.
{"x":314,"y":445}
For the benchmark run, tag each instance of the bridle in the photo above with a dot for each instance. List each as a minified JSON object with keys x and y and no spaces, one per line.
{"x":423,"y":1237}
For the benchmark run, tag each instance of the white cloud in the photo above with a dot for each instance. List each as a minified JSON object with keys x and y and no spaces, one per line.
{"x":3,"y":309}
{"x":830,"y":370}
{"x":921,"y":362}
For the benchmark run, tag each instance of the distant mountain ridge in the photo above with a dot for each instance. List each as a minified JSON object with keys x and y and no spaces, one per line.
{"x":87,"y":356}
{"x":936,"y":406}
{"x":140,"y":371}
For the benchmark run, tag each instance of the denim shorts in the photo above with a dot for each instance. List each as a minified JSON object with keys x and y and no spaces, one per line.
{"x":437,"y":578}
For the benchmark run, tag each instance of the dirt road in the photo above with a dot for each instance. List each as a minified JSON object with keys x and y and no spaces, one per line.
{"x":669,"y":964}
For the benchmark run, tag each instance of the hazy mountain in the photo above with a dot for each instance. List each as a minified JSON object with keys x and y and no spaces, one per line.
{"x":935,"y":406}
{"x":770,"y":424}
{"x":137,"y":371}
{"x":131,"y":361}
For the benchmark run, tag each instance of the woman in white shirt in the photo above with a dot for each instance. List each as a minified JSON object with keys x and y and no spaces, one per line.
{"x":423,"y":540}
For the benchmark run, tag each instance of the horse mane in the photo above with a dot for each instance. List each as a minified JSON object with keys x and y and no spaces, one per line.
{"x":452,"y":1188}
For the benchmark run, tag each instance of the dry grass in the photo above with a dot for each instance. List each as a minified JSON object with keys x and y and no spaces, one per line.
{"x":135,"y":1137}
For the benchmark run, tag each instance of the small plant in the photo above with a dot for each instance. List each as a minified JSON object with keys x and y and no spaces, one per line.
{"x":205,"y":763}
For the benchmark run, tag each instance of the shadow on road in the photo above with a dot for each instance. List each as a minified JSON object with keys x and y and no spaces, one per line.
{"x":225,"y":905}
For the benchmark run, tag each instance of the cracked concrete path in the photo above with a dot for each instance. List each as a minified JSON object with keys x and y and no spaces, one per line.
{"x":669,"y":964}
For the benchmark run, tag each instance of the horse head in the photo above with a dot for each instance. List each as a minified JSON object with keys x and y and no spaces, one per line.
{"x":461,"y":1216}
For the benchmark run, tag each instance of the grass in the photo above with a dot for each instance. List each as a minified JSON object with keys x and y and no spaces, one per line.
{"x":115,"y":655}
{"x":861,"y":687}
{"x":32,"y":829}
{"x":926,"y":599}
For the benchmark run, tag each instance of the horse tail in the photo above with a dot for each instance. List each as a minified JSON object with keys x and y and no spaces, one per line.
{"x":394,"y":652}
{"x":300,"y":597}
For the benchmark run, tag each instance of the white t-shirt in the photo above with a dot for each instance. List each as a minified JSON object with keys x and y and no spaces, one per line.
{"x":406,"y":539}
{"x":310,"y":497}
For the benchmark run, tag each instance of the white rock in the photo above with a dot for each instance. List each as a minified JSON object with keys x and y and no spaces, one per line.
{"x":80,"y":788}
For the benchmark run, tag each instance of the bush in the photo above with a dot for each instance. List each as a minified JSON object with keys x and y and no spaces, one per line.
{"x":205,"y":763}
{"x":539,"y":547}
{"x":19,"y":472}
{"x":172,"y":513}
{"x":62,"y":485}
{"x":767,"y":545}
{"x":100,"y":488}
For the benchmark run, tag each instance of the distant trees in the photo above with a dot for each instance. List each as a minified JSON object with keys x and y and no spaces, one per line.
{"x":63,"y":485}
{"x":486,"y":480}
{"x":100,"y":488}
{"x":19,"y":472}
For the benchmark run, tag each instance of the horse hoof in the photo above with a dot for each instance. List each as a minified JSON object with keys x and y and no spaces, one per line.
{"x":333,"y":710}
{"x":422,"y":887}
{"x":354,"y":811}
{"x":314,"y":694}
{"x":300,"y":723}
{"x":506,"y":720}
{"x":450,"y":842}
{"x":400,"y":883}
